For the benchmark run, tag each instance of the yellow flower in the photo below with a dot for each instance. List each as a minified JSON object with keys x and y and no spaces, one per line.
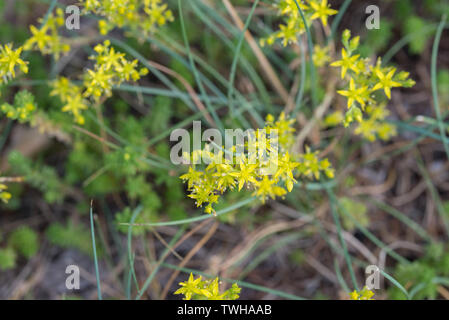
{"x":192,"y":177}
{"x":386,"y":82}
{"x":289,"y":7}
{"x":322,"y":11}
{"x":347,"y":62}
{"x":64,"y":88}
{"x":267,"y":188}
{"x":361,"y":95}
{"x":321,"y":56}
{"x":112,"y":58}
{"x":9,"y":58}
{"x":141,"y":17}
{"x":333,"y":119}
{"x":354,"y":295}
{"x":4,"y":195}
{"x":265,"y":172}
{"x":98,"y":81}
{"x":75,"y":104}
{"x":40,"y":37}
{"x":285,"y":170}
{"x":127,"y":70}
{"x":364,"y":294}
{"x":289,"y":33}
{"x":245,"y":174}
{"x":311,"y":166}
{"x":199,"y":289}
{"x":189,"y":287}
{"x":203,"y":194}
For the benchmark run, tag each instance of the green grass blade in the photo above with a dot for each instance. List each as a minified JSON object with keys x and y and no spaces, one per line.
{"x":195,"y":71}
{"x":333,"y":204}
{"x":395,"y":283}
{"x":236,"y":57}
{"x":403,"y":218}
{"x":337,"y":19}
{"x":199,"y":218}
{"x":94,"y":248}
{"x":161,"y":260}
{"x":312,"y":65}
{"x":433,"y":75}
{"x":129,"y":243}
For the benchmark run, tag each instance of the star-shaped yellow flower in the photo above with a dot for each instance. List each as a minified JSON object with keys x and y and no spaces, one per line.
{"x":75,"y":104}
{"x":40,"y":37}
{"x":285,"y":170}
{"x":347,"y":62}
{"x":245,"y":174}
{"x":322,"y":11}
{"x":9,"y":58}
{"x":189,"y":287}
{"x":361,"y":95}
{"x":364,"y":294}
{"x":386,"y":82}
{"x":192,"y":177}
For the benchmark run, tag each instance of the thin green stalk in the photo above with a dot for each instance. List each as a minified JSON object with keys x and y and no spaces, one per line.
{"x":395,"y":283}
{"x":336,"y":218}
{"x":340,"y":278}
{"x":267,"y":253}
{"x":433,"y":75}
{"x":252,"y":73}
{"x":94,"y":248}
{"x":373,"y":238}
{"x":434,"y":194}
{"x":236,"y":57}
{"x":158,"y":263}
{"x":312,"y":65}
{"x":403,"y":218}
{"x":337,"y":19}
{"x":303,"y":80}
{"x":198,"y":218}
{"x":195,"y":71}
{"x":129,"y":242}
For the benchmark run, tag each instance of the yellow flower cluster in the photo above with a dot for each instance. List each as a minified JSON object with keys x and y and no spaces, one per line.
{"x":198,"y":289}
{"x":23,"y":108}
{"x":321,"y":56}
{"x":364,"y":81}
{"x":46,"y":39}
{"x":9,"y":60}
{"x":293,"y":25}
{"x":111,"y":69}
{"x":4,"y":195}
{"x":269,"y":176}
{"x":364,"y":294}
{"x":141,"y":17}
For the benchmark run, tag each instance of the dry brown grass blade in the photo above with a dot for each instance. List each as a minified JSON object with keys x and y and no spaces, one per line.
{"x":176,"y":245}
{"x":241,"y":250}
{"x":266,"y":66}
{"x":90,"y":134}
{"x":11,"y":179}
{"x":188,"y":257}
{"x":318,"y":114}
{"x":443,"y":291}
{"x":188,"y":87}
{"x":375,"y":189}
